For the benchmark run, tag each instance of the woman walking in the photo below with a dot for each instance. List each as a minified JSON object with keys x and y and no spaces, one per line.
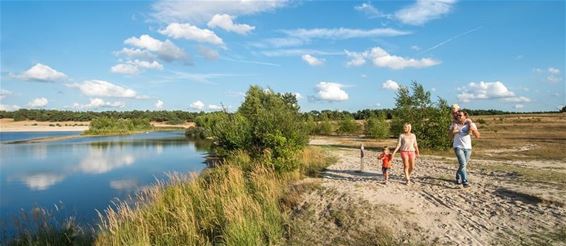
{"x":407,"y":143}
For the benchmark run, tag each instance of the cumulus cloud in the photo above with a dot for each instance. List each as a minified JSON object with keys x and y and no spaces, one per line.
{"x":134,"y":53}
{"x":198,"y":12}
{"x":519,"y":106}
{"x":42,"y":73}
{"x":329,"y":91}
{"x":159,"y":104}
{"x":197,"y":105}
{"x":165,"y":50}
{"x":343,"y":33}
{"x":135,"y":66}
{"x":96,"y":103}
{"x":424,"y":11}
{"x":488,"y":90}
{"x":190,"y":32}
{"x":311,"y":60}
{"x":226,"y":22}
{"x":298,"y":95}
{"x":124,"y":184}
{"x":39,"y":102}
{"x":101,"y":88}
{"x":390,"y":85}
{"x":381,"y":58}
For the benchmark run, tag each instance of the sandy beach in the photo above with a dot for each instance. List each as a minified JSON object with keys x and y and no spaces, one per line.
{"x":9,"y":125}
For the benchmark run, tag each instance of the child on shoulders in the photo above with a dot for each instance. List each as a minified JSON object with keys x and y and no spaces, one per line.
{"x":385,"y":158}
{"x":455,"y":111}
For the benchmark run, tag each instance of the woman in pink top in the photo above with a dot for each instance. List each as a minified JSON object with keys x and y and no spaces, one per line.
{"x":409,"y":150}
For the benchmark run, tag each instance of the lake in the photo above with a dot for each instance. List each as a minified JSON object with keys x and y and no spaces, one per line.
{"x":86,"y":174}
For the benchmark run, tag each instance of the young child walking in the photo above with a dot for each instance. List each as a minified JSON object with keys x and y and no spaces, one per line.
{"x":385,"y":158}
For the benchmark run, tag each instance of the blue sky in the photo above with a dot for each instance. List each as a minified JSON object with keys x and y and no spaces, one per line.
{"x":345,"y":55}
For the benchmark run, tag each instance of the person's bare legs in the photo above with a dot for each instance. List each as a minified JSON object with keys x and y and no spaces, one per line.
{"x":411,"y":162}
{"x":406,"y":167}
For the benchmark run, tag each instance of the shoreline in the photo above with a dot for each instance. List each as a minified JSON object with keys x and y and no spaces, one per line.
{"x":9,"y":125}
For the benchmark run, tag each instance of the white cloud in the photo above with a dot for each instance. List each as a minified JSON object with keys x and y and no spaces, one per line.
{"x":101,"y":88}
{"x":311,"y":60}
{"x":198,"y":12}
{"x":125,"y":184}
{"x":329,"y":91}
{"x":39,"y":102}
{"x":382,"y":58}
{"x":298,"y":95}
{"x":519,"y":106}
{"x":369,"y":10}
{"x":96,"y":103}
{"x":159,"y":104}
{"x":40,"y":72}
{"x":208,"y":53}
{"x":4,"y":93}
{"x":190,"y":32}
{"x":226,"y":22}
{"x":165,"y":50}
{"x":124,"y":69}
{"x":134,"y":53}
{"x":553,"y":75}
{"x":415,"y":47}
{"x":42,"y":181}
{"x":299,"y":52}
{"x":4,"y":107}
{"x":343,"y":33}
{"x":197,"y":105}
{"x":488,"y":90}
{"x":135,"y":66}
{"x":215,"y":107}
{"x":356,"y":58}
{"x":423,"y":11}
{"x":390,"y":85}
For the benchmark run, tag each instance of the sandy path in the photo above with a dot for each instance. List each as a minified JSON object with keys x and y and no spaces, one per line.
{"x":492,"y":211}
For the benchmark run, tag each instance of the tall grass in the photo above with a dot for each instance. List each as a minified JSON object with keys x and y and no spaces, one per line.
{"x":237,"y":203}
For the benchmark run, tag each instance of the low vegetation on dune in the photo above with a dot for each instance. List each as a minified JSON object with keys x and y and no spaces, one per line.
{"x":112,"y":126}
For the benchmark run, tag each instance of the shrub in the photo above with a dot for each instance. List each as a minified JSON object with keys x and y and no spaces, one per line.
{"x":348,"y":126}
{"x":266,"y":124}
{"x":107,"y":125}
{"x":325,"y":127}
{"x":378,"y":127}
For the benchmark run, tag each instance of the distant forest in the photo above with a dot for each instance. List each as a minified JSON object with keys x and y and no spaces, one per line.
{"x":178,"y":116}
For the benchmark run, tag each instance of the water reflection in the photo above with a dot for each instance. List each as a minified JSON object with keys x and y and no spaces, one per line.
{"x":87,"y":173}
{"x":100,"y":161}
{"x":42,"y":181}
{"x":124,"y":184}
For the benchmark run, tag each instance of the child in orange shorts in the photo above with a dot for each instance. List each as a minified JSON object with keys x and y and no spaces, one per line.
{"x":385,"y":158}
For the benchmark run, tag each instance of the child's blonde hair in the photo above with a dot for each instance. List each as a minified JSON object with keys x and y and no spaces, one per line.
{"x":386,"y":148}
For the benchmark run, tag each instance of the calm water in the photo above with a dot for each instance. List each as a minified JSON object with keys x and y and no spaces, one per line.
{"x":84,"y":174}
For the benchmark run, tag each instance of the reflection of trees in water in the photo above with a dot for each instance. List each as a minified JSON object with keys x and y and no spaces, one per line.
{"x":200,"y":145}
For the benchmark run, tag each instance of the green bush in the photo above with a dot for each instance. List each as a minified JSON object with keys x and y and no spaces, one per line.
{"x":348,"y":126}
{"x":267,"y":125}
{"x":106,"y":125}
{"x":325,"y":127}
{"x":430,"y":121}
{"x":378,"y":127}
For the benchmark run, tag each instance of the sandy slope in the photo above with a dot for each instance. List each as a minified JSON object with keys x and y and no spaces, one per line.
{"x":494,"y":210}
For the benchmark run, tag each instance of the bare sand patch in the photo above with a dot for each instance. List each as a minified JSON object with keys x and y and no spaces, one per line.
{"x":499,"y":208}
